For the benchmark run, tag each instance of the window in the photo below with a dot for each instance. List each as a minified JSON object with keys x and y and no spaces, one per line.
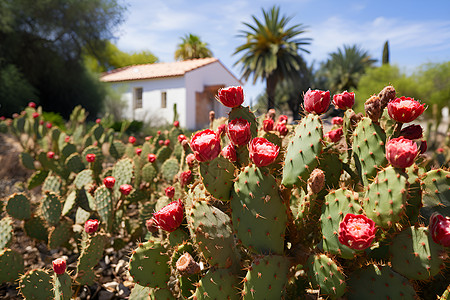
{"x":138,"y":98}
{"x":163,"y":99}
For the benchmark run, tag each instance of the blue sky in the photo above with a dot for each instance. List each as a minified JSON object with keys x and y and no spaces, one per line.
{"x":418,"y":31}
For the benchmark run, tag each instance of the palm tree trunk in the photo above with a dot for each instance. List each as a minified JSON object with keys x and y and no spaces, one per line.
{"x":271,"y":83}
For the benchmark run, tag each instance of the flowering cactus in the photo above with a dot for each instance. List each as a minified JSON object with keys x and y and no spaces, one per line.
{"x":268,"y":125}
{"x":185,"y":177}
{"x":337,"y":121}
{"x":231,"y":96}
{"x":401,"y":152}
{"x":50,"y":154}
{"x":170,"y":192}
{"x":205,"y":145}
{"x":151,"y":157}
{"x":335,"y":134}
{"x":440,"y":229}
{"x":109,"y":182}
{"x":316,"y":101}
{"x":91,"y":226}
{"x":405,"y":109}
{"x":357,"y":231}
{"x":170,"y":216}
{"x":238,"y":131}
{"x":262,"y":152}
{"x":229,"y":152}
{"x":132,"y":140}
{"x":125,"y":189}
{"x":59,"y":266}
{"x":412,"y":132}
{"x":344,"y":101}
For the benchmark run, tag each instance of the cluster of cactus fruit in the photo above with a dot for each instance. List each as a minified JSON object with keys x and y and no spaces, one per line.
{"x":247,"y":209}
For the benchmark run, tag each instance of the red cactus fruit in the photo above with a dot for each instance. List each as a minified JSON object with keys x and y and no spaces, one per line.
{"x":221,"y":130}
{"x":232,"y":96}
{"x":238,"y":131}
{"x":268,"y":125}
{"x":282,"y":129}
{"x":190,"y":160}
{"x":125,"y":189}
{"x":41,"y":122}
{"x":48,"y":125}
{"x":161,"y":142}
{"x":316,"y":101}
{"x":2,"y":118}
{"x":151,"y":157}
{"x":50,"y":154}
{"x":439,"y":228}
{"x":91,"y":226}
{"x":401,"y":152}
{"x":185,"y":177}
{"x":262,"y":152}
{"x":35,"y":115}
{"x":316,"y":181}
{"x":170,"y":192}
{"x":283,"y":119}
{"x":176,"y":124}
{"x":337,"y":121}
{"x":181,"y":138}
{"x":335,"y":135}
{"x":109,"y":182}
{"x":132,"y":140}
{"x":148,"y":138}
{"x":90,"y":157}
{"x":205,"y":145}
{"x":356,"y":231}
{"x":138,"y":151}
{"x":67,"y":139}
{"x":167,"y":142}
{"x":423,"y":147}
{"x":405,"y":109}
{"x":32,"y":104}
{"x":412,"y":132}
{"x":344,"y":101}
{"x":59,"y":266}
{"x":229,"y":152}
{"x":98,"y":121}
{"x":158,"y":132}
{"x":170,"y":216}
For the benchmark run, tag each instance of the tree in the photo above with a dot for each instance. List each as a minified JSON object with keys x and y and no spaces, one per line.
{"x":271,"y":51}
{"x":109,"y":57}
{"x":385,"y":53}
{"x":44,"y":41}
{"x":344,"y":68}
{"x":192,"y":47}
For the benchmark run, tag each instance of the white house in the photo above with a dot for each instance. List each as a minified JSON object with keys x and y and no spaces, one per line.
{"x":151,"y":90}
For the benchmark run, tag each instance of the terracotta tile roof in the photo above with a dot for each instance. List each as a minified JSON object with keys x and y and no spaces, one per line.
{"x":157,"y":70}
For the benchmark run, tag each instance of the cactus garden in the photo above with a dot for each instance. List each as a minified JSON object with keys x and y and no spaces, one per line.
{"x":252,"y":207}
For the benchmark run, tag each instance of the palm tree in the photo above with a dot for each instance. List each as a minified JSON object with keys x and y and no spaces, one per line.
{"x":272,"y":50}
{"x":344,"y":68}
{"x":192,"y":47}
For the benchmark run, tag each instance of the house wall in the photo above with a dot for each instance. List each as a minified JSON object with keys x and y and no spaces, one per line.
{"x":151,"y":111}
{"x":196,"y":80}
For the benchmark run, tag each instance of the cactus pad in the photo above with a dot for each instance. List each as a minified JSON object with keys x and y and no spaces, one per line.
{"x":27,"y":161}
{"x":266,"y":278}
{"x":369,"y":149}
{"x":36,"y":284}
{"x":218,"y":284}
{"x":52,"y":184}
{"x":51,"y":208}
{"x":91,"y":252}
{"x":19,"y":207}
{"x":11,"y":265}
{"x":302,"y":154}
{"x":36,"y":228}
{"x":325,"y":274}
{"x":60,"y":235}
{"x":212,"y":231}
{"x":62,"y":286}
{"x":337,"y":204}
{"x":219,"y":170}
{"x":149,"y":265}
{"x":104,"y":205}
{"x":386,"y":196}
{"x":37,"y":179}
{"x":379,"y":282}
{"x":148,"y":172}
{"x":436,"y":193}
{"x":83,"y":178}
{"x":117,"y":149}
{"x":259,"y":215}
{"x":246,"y":114}
{"x":415,"y":255}
{"x":74,"y":163}
{"x":6,"y":231}
{"x":169,"y":169}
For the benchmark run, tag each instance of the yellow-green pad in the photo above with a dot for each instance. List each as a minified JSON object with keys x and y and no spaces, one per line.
{"x":218,"y":176}
{"x":325,"y":274}
{"x":218,"y":284}
{"x":6,"y":231}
